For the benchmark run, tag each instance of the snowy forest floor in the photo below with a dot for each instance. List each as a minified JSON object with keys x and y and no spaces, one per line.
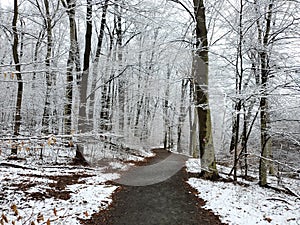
{"x":50,"y":190}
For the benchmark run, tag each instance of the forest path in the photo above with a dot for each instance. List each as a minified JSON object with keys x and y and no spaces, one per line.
{"x":170,"y":202}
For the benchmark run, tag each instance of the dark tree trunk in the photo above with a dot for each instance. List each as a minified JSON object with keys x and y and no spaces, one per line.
{"x":95,"y":68}
{"x":73,"y":62}
{"x":200,"y":75}
{"x":18,"y":70}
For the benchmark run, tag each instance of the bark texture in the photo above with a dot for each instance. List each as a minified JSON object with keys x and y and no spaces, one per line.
{"x":200,"y":75}
{"x":18,"y":70}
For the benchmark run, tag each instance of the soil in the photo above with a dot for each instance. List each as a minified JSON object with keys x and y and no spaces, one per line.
{"x":171,"y":202}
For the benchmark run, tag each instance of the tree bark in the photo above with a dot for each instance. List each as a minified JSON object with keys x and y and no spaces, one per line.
{"x":18,"y":70}
{"x":200,"y":75}
{"x":121,"y":80}
{"x":83,"y":124}
{"x":104,"y":111}
{"x":166,"y":110}
{"x":47,"y":108}
{"x":182,"y":114}
{"x":73,"y":62}
{"x":266,"y":143}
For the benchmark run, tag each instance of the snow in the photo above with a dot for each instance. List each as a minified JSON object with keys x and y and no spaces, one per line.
{"x":237,"y":204}
{"x":87,"y":197}
{"x":29,"y":186}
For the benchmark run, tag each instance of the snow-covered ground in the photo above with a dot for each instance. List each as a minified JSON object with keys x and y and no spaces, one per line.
{"x":249,"y":204}
{"x":28,"y":195}
{"x":40,"y":186}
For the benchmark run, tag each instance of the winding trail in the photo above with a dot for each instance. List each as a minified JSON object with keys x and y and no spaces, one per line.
{"x":169,"y":202}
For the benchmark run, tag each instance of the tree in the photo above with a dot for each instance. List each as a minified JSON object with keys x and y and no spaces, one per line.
{"x":200,"y":77}
{"x":263,"y":39}
{"x":72,"y":63}
{"x":49,"y":74}
{"x":121,"y":80}
{"x":18,"y":70}
{"x":83,"y":123}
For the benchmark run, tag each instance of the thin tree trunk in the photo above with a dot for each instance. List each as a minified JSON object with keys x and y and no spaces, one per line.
{"x":238,"y":83}
{"x":166,"y":113}
{"x":47,"y":108}
{"x":140,"y":94}
{"x":264,"y":103}
{"x":121,"y":80}
{"x":182,"y":114}
{"x":73,"y":62}
{"x":18,"y":70}
{"x":244,"y":142}
{"x":96,"y":68}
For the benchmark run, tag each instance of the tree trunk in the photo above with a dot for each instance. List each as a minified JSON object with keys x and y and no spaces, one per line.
{"x":121,"y":80}
{"x":264,"y":103}
{"x":182,"y":114}
{"x":238,"y":89}
{"x":73,"y":62}
{"x":95,"y":73}
{"x":200,"y":75}
{"x":166,"y":110}
{"x":18,"y":70}
{"x":83,"y":123}
{"x":47,"y":108}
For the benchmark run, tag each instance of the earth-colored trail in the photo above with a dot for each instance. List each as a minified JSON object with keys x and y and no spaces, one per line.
{"x":170,"y":202}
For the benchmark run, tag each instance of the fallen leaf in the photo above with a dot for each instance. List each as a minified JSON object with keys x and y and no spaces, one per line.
{"x":268,"y":219}
{"x":15,"y":209}
{"x":40,"y":217}
{"x":4,"y":218}
{"x":55,"y":212}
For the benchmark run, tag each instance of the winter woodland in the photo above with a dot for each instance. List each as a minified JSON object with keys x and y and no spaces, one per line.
{"x":216,"y":80}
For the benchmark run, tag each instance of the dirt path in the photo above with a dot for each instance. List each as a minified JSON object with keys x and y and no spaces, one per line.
{"x":166,"y":203}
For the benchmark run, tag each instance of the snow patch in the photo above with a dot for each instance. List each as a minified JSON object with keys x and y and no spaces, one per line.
{"x":238,"y":205}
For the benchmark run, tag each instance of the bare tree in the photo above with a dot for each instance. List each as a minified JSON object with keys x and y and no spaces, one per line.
{"x":200,"y":76}
{"x":18,"y":69}
{"x":83,"y":123}
{"x":72,"y":63}
{"x":264,"y":103}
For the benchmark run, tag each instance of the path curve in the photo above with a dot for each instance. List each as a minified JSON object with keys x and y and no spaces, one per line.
{"x":170,"y":202}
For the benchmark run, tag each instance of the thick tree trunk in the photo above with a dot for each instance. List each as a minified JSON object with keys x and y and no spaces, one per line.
{"x":200,"y":75}
{"x":83,"y":124}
